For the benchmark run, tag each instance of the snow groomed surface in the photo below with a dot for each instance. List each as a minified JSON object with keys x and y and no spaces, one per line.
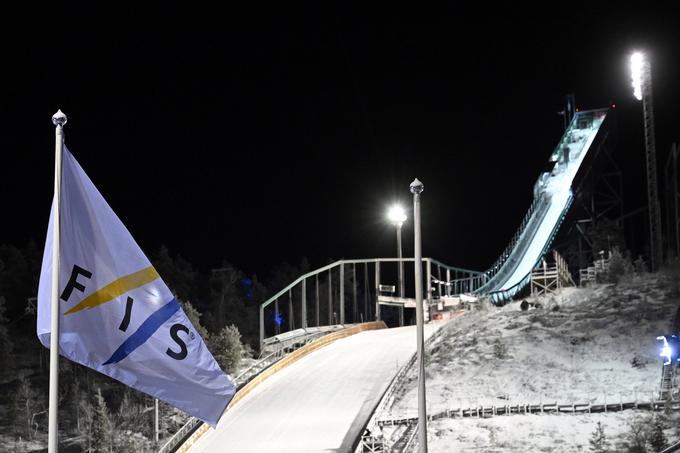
{"x":320,"y":403}
{"x":553,"y":194}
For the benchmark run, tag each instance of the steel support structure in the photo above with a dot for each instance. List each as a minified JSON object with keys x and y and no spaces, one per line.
{"x":655,"y":235}
{"x":342,"y":294}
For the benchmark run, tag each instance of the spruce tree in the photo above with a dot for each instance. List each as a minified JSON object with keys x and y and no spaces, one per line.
{"x":598,"y":440}
{"x":227,"y":348}
{"x":636,"y":438}
{"x":195,"y":319}
{"x":618,"y":265}
{"x":657,"y":438}
{"x":101,"y":441}
{"x":25,"y":403}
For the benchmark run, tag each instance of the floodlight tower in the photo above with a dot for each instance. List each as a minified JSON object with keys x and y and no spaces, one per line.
{"x":641,"y":72}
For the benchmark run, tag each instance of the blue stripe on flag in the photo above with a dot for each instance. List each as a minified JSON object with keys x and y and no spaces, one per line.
{"x":144,"y":332}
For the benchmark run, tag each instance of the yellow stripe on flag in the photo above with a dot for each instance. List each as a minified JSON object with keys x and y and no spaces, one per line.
{"x":116,"y":288}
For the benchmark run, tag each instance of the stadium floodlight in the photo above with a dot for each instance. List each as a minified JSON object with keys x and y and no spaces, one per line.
{"x":637,"y":69}
{"x":396,"y":215}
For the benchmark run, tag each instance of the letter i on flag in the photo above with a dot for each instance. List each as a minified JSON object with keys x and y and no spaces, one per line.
{"x":115,"y":313}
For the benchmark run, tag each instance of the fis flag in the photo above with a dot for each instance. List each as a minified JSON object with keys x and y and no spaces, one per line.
{"x":116,"y":314}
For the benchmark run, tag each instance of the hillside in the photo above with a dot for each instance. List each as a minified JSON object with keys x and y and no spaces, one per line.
{"x":582,"y":345}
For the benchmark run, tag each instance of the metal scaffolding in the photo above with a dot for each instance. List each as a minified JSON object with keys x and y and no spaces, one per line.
{"x":655,"y":235}
{"x":672,"y":204}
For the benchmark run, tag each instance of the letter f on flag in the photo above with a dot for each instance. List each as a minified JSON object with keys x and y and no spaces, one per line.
{"x":116,"y":314}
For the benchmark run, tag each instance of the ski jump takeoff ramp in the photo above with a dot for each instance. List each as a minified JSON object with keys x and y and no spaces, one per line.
{"x":553,"y":194}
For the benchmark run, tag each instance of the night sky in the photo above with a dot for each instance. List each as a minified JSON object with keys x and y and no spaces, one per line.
{"x":260,"y":136}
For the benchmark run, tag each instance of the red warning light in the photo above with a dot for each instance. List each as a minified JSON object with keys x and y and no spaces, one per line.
{"x":613,"y":106}
{"x":577,"y":109}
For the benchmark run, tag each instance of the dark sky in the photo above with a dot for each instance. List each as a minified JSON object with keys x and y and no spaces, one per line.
{"x":260,"y":136}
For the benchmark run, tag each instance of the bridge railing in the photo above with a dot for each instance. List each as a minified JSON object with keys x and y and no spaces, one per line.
{"x":349,"y":291}
{"x":519,"y":243}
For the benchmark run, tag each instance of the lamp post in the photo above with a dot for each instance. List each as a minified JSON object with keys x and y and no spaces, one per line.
{"x":397,"y":217}
{"x":416,"y":190}
{"x":641,"y":72}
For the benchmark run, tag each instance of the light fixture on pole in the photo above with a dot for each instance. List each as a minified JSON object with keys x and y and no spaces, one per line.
{"x":641,"y":73}
{"x":397,"y":217}
{"x":416,"y":190}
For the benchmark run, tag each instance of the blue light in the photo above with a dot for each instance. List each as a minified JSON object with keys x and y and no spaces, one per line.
{"x":278,"y":319}
{"x":247,"y":286}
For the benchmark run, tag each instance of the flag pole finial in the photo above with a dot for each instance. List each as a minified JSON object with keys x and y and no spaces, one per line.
{"x":59,"y":118}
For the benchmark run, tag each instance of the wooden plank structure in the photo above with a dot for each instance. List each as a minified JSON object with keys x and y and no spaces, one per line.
{"x":542,"y":408}
{"x":590,"y":273}
{"x":548,"y":278}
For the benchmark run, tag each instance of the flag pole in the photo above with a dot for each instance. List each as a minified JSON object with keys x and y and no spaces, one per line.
{"x":59,"y":120}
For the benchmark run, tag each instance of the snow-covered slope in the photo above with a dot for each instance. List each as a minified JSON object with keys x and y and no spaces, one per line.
{"x":319,"y":403}
{"x":582,"y":345}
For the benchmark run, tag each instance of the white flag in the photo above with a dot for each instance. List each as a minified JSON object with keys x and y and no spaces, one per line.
{"x":116,"y":314}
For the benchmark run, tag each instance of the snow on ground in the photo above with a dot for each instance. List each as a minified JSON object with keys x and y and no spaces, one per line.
{"x":584,"y":344}
{"x":319,"y":403}
{"x":524,"y":433}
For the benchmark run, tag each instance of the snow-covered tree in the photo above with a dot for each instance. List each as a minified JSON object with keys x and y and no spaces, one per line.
{"x":195,"y":318}
{"x":101,"y":425}
{"x":26,"y":402}
{"x":178,"y":273}
{"x":640,"y":266}
{"x":619,"y":265}
{"x":131,"y":414}
{"x":227,"y":348}
{"x":598,"y":441}
{"x":636,"y":437}
{"x":657,"y":438}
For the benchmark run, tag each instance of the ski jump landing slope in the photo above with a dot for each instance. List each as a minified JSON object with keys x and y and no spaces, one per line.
{"x":320,"y":403}
{"x":553,"y":193}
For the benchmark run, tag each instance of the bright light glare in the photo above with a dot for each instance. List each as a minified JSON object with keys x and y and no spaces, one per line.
{"x":666,"y":351}
{"x":396,"y":214}
{"x":637,"y":61}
